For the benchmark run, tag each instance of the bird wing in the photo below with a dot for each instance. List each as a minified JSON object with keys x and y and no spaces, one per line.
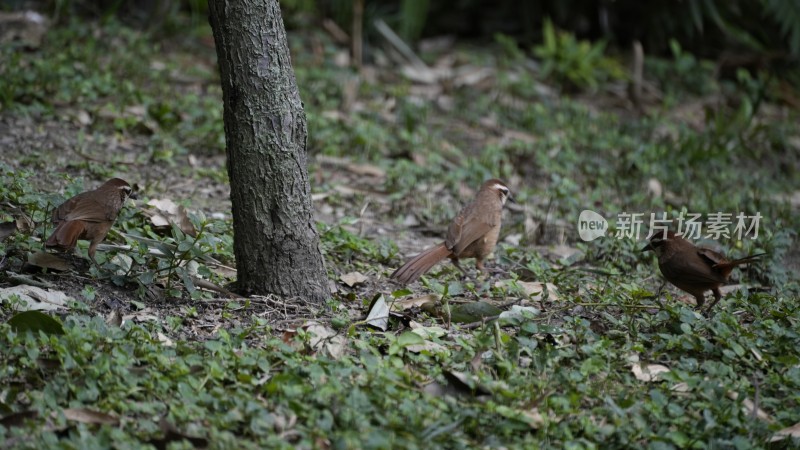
{"x":711,"y":257}
{"x":467,"y":228}
{"x":82,"y":207}
{"x":62,"y":211}
{"x":697,"y":268}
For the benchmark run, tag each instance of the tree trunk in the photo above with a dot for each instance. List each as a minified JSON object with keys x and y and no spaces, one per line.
{"x":275,"y":240}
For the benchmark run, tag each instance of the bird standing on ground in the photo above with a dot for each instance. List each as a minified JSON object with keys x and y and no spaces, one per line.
{"x":88,"y":216}
{"x":693,"y":269}
{"x":472,"y":234}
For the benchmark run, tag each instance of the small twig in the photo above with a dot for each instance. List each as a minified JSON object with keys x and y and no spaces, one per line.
{"x":22,"y":279}
{"x":338,"y":34}
{"x":507,"y":303}
{"x":483,"y":321}
{"x":361,"y":219}
{"x":617,"y":305}
{"x":399,"y":44}
{"x":217,"y":300}
{"x":205,"y":284}
{"x":498,"y":345}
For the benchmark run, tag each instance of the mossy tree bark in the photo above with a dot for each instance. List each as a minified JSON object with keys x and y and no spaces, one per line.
{"x":275,"y":240}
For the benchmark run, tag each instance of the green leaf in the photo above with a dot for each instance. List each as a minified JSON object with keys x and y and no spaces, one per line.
{"x":409,"y":338}
{"x":36,"y":321}
{"x":473,"y":312}
{"x":147,"y":278}
{"x":402,"y":292}
{"x":738,"y":349}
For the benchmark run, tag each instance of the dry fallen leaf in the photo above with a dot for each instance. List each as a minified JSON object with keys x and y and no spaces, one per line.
{"x":378,"y":316}
{"x":114,"y":318}
{"x":472,"y":75}
{"x":84,"y":415}
{"x":48,"y":261}
{"x":518,"y":313}
{"x":166,"y":212}
{"x":533,"y":289}
{"x":425,"y":75}
{"x":437,"y":389}
{"x":748,"y":407}
{"x":83,"y":118}
{"x":353,"y":278}
{"x":145,"y":315}
{"x":24,"y":223}
{"x":402,"y":305}
{"x":366,"y":170}
{"x":466,"y":382}
{"x":137,"y":111}
{"x":35,"y":298}
{"x":654,"y":187}
{"x":792,"y":431}
{"x":325,"y":339}
{"x":164,"y":339}
{"x":534,"y":418}
{"x":649,"y":372}
{"x":23,"y":27}
{"x":682,"y":387}
{"x":565,"y":254}
{"x":222,"y":270}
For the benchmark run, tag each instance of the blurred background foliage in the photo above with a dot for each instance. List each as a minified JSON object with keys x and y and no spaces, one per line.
{"x":747,"y":31}
{"x":758,"y":36}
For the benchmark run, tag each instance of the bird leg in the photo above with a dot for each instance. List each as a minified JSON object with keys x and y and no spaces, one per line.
{"x":93,"y":249}
{"x":458,"y":266}
{"x":699,"y":300}
{"x":660,"y":291}
{"x":717,"y":297}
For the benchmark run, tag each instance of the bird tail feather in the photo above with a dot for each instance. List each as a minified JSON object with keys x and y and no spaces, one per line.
{"x":66,"y":235}
{"x":418,"y":265}
{"x":740,"y":261}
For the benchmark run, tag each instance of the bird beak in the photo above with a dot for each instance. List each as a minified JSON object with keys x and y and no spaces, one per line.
{"x":511,"y":199}
{"x":648,"y":248}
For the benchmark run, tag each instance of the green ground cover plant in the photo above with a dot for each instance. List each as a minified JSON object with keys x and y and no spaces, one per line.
{"x":602,"y":356}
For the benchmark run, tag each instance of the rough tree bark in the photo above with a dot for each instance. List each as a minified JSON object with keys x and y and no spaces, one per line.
{"x":275,"y":240}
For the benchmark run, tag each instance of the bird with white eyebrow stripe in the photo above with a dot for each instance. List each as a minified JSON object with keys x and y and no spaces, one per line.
{"x":472,"y":234}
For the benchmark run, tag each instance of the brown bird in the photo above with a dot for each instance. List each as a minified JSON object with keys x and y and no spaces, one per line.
{"x":472,"y":234}
{"x":690,"y":268}
{"x":88,"y":216}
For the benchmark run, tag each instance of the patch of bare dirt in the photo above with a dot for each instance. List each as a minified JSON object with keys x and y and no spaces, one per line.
{"x":53,"y":147}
